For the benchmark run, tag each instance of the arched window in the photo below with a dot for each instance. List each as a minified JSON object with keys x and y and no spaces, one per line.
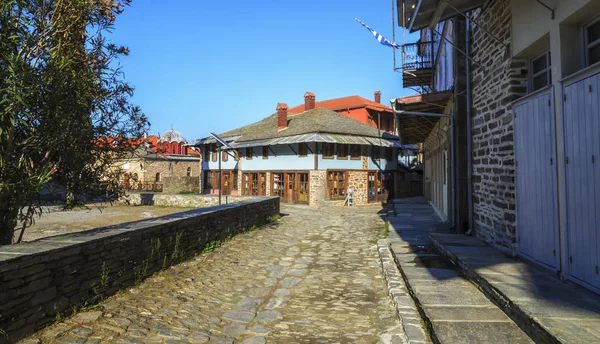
{"x":182,"y":148}
{"x":189,"y":171}
{"x":157,"y":177}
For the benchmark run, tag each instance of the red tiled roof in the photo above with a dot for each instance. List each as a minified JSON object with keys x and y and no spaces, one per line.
{"x":350,"y":102}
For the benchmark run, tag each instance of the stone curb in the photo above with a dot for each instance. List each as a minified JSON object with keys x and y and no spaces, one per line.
{"x":414,"y":330}
{"x":527,"y":322}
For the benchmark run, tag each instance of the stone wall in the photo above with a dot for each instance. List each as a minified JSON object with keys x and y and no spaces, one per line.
{"x":146,"y":169}
{"x":318,"y":186}
{"x":184,"y":201}
{"x":497,"y":81}
{"x":183,"y":184}
{"x":358,"y":180}
{"x":42,"y":278}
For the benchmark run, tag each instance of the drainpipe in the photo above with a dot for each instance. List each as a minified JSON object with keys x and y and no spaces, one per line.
{"x":450,"y":167}
{"x":469,"y":124}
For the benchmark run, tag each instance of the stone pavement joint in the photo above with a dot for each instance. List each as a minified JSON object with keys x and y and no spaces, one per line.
{"x":313,"y":277}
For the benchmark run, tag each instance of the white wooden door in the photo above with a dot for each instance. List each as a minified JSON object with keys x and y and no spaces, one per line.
{"x":536,"y":183}
{"x":582,"y":151}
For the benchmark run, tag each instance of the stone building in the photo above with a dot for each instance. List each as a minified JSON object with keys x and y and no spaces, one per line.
{"x":525,"y":121}
{"x":312,"y":156}
{"x":163,"y":163}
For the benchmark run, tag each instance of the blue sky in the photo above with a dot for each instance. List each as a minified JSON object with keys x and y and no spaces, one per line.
{"x":213,"y":66}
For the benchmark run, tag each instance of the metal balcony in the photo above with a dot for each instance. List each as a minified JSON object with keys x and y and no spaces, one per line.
{"x":417,"y":64}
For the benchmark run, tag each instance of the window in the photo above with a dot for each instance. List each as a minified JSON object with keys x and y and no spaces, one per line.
{"x":592,"y":42}
{"x":157,"y":177}
{"x":213,"y":149}
{"x":303,"y":149}
{"x":355,"y":152}
{"x":249,"y":153}
{"x":224,"y":156}
{"x":189,"y":172}
{"x":389,"y":154}
{"x":342,"y":151}
{"x":375,"y":152}
{"x":265,"y":152}
{"x":327,"y":150}
{"x":541,"y":75}
{"x":207,"y":153}
{"x":336,"y":184}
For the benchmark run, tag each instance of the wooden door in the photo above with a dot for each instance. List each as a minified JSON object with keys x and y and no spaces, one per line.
{"x":278,"y":185}
{"x":226,"y":183}
{"x":303,"y":188}
{"x":290,"y":182}
{"x":581,"y":127}
{"x":262,"y":184}
{"x":535,"y":178}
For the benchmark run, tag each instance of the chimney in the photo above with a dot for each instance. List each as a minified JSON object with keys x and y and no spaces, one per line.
{"x":309,"y":101}
{"x":377,"y":97}
{"x":282,"y":120}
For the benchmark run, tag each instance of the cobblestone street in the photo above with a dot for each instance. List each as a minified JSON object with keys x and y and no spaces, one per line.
{"x":314,"y":277}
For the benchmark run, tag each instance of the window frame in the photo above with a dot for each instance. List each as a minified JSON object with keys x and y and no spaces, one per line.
{"x":330,"y":152}
{"x":358,"y":150}
{"x":213,"y":152}
{"x":375,"y":152}
{"x":547,"y":71}
{"x":188,"y":171}
{"x":388,"y":153}
{"x":339,"y":147}
{"x":586,"y":45}
{"x":331,"y":188}
{"x":303,"y":149}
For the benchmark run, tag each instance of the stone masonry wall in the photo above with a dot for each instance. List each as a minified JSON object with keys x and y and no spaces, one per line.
{"x":184,"y":184}
{"x":186,"y":201}
{"x":147,"y":169}
{"x":318,"y":185}
{"x":358,"y":180}
{"x":497,"y":81}
{"x":42,"y":278}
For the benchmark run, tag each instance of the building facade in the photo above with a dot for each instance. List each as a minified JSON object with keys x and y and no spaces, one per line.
{"x":308,"y":158}
{"x":533,"y":125}
{"x":163,"y":163}
{"x":370,"y":112}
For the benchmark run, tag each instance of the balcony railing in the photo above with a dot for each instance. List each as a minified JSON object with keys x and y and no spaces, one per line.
{"x":417,"y":64}
{"x":417,"y":55}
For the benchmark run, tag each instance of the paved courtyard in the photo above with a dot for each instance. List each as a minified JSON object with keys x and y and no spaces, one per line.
{"x":314,"y":277}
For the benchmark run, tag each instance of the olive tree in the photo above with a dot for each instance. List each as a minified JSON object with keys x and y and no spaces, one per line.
{"x":65,"y":109}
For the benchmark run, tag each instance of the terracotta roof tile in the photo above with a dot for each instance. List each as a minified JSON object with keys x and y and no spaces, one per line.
{"x":350,"y":102}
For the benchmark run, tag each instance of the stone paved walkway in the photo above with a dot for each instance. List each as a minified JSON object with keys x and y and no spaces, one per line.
{"x":314,"y":277}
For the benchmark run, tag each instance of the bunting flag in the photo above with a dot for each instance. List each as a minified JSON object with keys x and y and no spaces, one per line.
{"x":378,"y":37}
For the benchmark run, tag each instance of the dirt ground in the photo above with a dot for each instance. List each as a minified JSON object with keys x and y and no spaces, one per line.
{"x":60,"y":222}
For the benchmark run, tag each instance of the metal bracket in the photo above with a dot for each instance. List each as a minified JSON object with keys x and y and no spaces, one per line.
{"x":547,"y":7}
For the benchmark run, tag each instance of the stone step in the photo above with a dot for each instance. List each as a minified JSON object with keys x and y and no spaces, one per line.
{"x":548,"y":309}
{"x":453,"y":309}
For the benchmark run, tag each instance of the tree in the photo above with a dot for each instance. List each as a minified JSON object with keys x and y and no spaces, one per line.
{"x":64,"y":107}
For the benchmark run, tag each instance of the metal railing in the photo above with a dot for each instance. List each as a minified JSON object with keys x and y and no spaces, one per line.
{"x":417,"y":55}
